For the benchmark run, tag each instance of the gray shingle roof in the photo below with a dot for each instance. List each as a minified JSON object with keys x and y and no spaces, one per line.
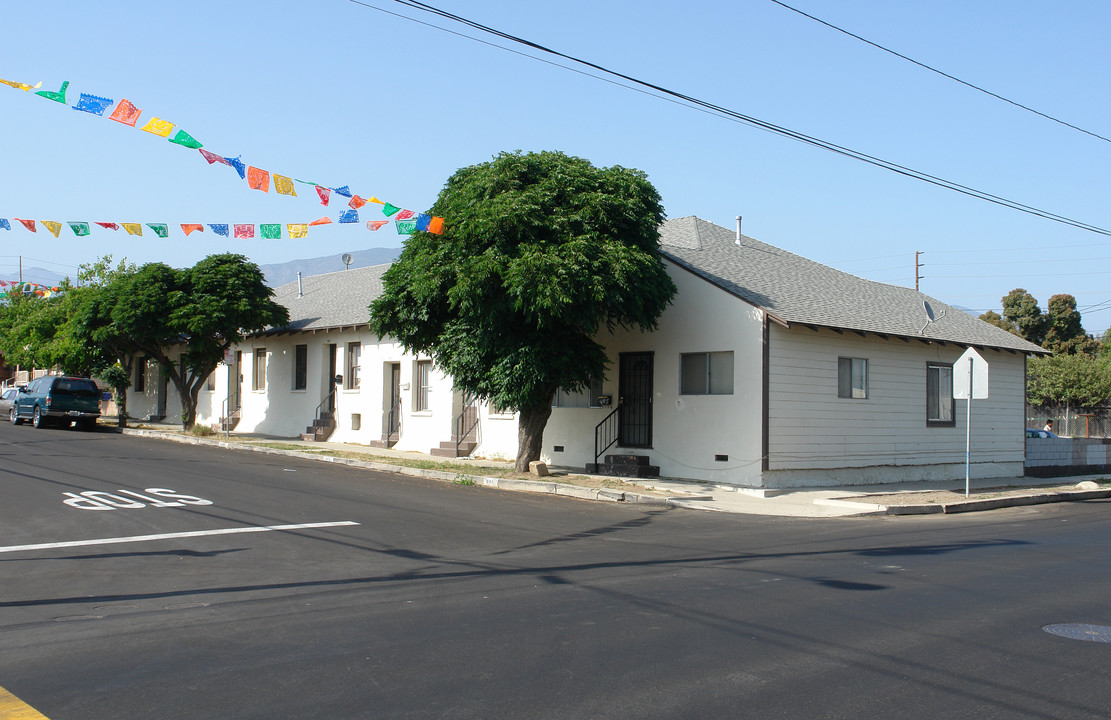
{"x":790,"y":287}
{"x":336,"y":299}
{"x":794,"y":289}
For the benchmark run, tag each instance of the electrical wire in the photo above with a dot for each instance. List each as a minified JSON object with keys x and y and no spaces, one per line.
{"x":695,"y":103}
{"x":940,"y":72}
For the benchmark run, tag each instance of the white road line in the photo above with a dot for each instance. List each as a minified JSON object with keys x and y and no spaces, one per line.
{"x":172,"y":536}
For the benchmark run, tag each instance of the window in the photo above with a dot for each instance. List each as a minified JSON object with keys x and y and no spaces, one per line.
{"x":141,"y":374}
{"x":300,"y":367}
{"x":351,"y":369}
{"x":939,"y":394}
{"x":852,"y":378}
{"x":258,"y":380}
{"x":210,"y":383}
{"x":706,"y":373}
{"x":585,"y":398}
{"x":424,"y":377}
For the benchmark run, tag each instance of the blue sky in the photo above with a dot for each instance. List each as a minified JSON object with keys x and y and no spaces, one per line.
{"x":342,"y":94}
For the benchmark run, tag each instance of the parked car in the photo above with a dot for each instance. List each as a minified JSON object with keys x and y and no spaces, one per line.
{"x":1033,"y":433}
{"x":7,"y":399}
{"x":57,"y":399}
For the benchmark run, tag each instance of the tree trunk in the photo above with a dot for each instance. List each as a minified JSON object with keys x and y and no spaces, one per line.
{"x":530,"y":434}
{"x":121,"y":405}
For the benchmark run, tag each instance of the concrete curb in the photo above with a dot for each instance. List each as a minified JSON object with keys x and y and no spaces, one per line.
{"x":510,"y":484}
{"x":963,"y":506}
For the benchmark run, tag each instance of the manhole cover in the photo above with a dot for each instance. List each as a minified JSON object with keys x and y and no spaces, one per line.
{"x":1081,"y":631}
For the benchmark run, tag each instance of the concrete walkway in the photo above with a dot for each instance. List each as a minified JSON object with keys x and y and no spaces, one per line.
{"x":791,"y":502}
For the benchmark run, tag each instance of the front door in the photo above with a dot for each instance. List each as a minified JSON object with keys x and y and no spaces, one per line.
{"x":393,"y":409}
{"x":330,"y":383}
{"x":635,"y":389}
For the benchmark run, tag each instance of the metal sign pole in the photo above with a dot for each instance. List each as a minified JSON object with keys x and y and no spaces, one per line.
{"x":968,"y":432}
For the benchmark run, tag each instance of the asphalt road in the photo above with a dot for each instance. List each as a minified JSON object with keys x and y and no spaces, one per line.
{"x":449,"y":601}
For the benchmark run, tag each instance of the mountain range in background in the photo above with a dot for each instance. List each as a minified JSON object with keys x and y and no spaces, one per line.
{"x":281,"y":273}
{"x":35,"y":275}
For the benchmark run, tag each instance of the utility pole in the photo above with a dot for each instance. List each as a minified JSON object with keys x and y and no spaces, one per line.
{"x":21,"y":271}
{"x":917,"y":267}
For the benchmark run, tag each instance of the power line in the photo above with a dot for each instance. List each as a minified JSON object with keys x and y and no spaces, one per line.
{"x":940,"y":72}
{"x":695,"y":103}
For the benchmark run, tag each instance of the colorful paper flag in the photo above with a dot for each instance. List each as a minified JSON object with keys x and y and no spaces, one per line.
{"x":283,"y":185}
{"x":188,"y":228}
{"x":244,"y":231}
{"x":125,"y":113}
{"x":53,"y":226}
{"x":375,"y":224}
{"x":297,"y":230}
{"x":213,"y":157}
{"x":423,"y":221}
{"x":80,"y":229}
{"x":160,"y":229}
{"x":356,"y":202}
{"x":158,"y":127}
{"x":185,"y":140}
{"x":22,"y":86}
{"x":92,"y":104}
{"x":376,"y":200}
{"x":258,"y":179}
{"x":405,"y":215}
{"x":436,"y":226}
{"x":406,"y":227}
{"x":133,"y":228}
{"x":109,"y":225}
{"x":29,"y":224}
{"x":219,"y":228}
{"x":270,"y":231}
{"x":236,"y":163}
{"x":389,"y":210}
{"x":59,"y":96}
{"x":5,"y":224}
{"x":349,"y":216}
{"x":345,"y":191}
{"x":322,"y":221}
{"x":324,"y":193}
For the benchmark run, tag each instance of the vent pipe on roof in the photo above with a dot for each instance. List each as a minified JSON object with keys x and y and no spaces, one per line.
{"x":299,"y":293}
{"x":738,"y":231}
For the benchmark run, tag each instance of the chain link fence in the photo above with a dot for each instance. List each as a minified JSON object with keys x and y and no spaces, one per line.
{"x":1067,"y":422}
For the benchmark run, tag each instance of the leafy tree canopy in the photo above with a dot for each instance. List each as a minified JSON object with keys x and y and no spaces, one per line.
{"x":539,"y":252}
{"x":1078,"y":380}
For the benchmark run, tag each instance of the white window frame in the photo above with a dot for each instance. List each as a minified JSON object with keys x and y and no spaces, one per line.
{"x":710,"y":378}
{"x":852,"y":378}
{"x":422,"y":386}
{"x":352,"y":357}
{"x":585,"y":398}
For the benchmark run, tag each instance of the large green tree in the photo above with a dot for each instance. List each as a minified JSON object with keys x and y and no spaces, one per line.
{"x":1021,"y":310}
{"x":197,"y":314}
{"x":1079,"y":380}
{"x":108,"y":351}
{"x":1063,"y":332}
{"x":539,"y":252}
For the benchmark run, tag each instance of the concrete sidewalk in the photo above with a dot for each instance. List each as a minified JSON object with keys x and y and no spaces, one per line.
{"x":790,"y":502}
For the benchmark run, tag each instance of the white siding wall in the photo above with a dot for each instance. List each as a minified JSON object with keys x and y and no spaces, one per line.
{"x":817,"y":438}
{"x":688,"y":430}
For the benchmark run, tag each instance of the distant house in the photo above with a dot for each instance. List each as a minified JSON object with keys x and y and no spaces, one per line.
{"x":768,"y":370}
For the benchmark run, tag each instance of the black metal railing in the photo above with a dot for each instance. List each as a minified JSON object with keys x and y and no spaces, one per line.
{"x":319,"y":413}
{"x":607,"y":432}
{"x":465,"y":424}
{"x":229,"y":407}
{"x":393,"y":425}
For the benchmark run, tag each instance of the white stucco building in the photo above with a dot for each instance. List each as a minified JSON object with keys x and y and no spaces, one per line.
{"x":768,"y":370}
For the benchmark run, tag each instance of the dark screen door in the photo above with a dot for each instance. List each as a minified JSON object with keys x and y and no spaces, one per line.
{"x":635,"y":386}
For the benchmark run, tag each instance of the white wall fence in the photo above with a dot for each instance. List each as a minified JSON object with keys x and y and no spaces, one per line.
{"x":1059,"y":457}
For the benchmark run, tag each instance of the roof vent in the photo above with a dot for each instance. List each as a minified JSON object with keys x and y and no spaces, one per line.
{"x":738,"y":231}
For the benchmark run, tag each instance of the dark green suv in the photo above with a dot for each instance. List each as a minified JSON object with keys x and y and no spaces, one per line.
{"x":59,"y":400}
